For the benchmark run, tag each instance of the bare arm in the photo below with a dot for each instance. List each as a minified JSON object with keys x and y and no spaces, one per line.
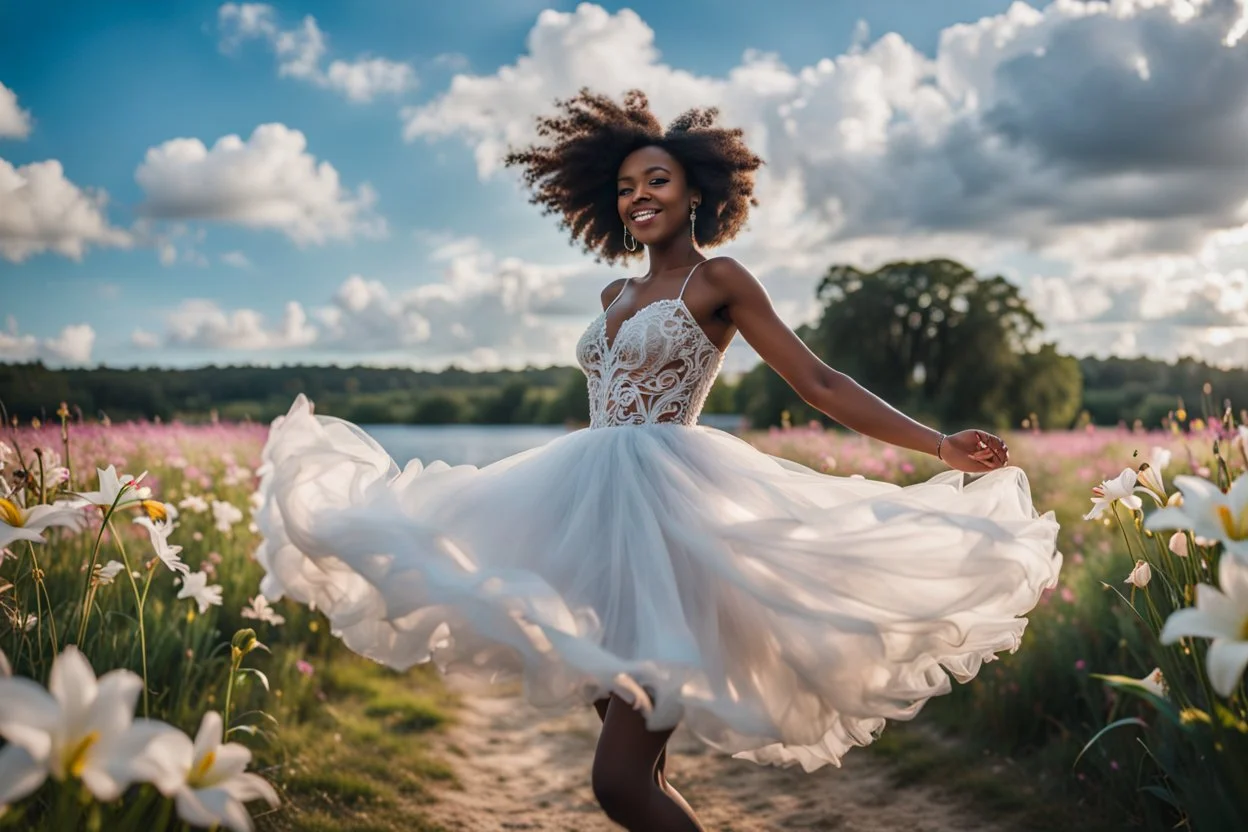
{"x":828,"y":390}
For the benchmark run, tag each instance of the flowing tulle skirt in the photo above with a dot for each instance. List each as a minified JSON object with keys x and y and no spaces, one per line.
{"x":781,"y":613}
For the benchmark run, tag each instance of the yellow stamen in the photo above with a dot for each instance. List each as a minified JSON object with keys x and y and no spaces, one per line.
{"x":10,"y":514}
{"x":1236,"y":527}
{"x":155,"y":510}
{"x":78,"y":757}
{"x":205,"y":764}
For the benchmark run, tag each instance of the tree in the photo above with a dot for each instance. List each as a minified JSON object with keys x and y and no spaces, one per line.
{"x":1047,"y":389}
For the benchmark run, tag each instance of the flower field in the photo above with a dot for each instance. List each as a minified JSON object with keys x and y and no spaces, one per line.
{"x":145,"y":684}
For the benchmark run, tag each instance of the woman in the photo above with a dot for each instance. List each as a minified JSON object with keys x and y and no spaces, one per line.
{"x":662,"y":570}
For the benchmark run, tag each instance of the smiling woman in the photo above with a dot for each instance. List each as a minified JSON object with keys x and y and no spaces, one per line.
{"x":661,"y":570}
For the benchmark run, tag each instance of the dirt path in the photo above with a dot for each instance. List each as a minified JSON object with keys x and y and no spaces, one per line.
{"x":519,"y":772}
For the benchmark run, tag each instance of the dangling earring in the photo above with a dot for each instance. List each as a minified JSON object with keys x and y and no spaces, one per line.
{"x":629,"y":238}
{"x":693,"y":219}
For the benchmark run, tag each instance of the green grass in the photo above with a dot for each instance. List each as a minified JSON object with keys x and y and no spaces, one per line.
{"x":363,"y":762}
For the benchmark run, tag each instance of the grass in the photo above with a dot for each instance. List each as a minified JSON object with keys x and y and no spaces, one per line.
{"x":364,"y":761}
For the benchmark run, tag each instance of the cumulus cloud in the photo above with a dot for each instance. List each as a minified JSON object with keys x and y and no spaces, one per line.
{"x":204,"y":324}
{"x":1073,"y":132}
{"x":267,"y":181}
{"x":73,"y":345}
{"x":14,"y":121}
{"x":41,"y":210}
{"x":301,"y":50}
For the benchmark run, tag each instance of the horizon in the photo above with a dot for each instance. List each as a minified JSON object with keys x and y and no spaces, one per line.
{"x":223,"y":184}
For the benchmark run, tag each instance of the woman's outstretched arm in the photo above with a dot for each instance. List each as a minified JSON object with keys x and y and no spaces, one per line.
{"x":831,"y":391}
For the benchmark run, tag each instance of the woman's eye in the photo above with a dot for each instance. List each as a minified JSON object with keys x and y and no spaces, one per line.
{"x":624,"y":191}
{"x":657,"y":181}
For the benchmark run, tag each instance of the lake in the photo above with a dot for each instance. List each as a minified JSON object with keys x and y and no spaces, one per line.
{"x":482,"y":444}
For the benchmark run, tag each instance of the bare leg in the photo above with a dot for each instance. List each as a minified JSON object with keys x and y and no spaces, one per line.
{"x":660,"y":768}
{"x":624,"y":775}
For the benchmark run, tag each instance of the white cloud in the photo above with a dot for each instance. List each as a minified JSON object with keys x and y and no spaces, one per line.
{"x":72,"y":346}
{"x":268,"y":181}
{"x":1053,"y":131}
{"x":204,"y":324}
{"x":14,"y":121}
{"x":41,"y":210}
{"x":237,"y":259}
{"x":300,"y":52}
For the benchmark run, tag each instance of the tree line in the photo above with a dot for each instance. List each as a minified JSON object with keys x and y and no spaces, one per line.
{"x":932,"y":338}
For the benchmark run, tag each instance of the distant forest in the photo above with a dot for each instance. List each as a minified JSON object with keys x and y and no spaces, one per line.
{"x":1113,"y":390}
{"x":932,"y":338}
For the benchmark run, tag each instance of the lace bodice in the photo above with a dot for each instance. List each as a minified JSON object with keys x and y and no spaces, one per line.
{"x":659,"y":367}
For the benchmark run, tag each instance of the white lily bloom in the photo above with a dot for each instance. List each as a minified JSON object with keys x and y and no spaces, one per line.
{"x":105,"y":574}
{"x":159,"y":534}
{"x":208,"y":780}
{"x":1178,"y":544}
{"x":1207,"y":512}
{"x":80,"y":727}
{"x":1150,"y":479}
{"x":1155,"y":682}
{"x":20,"y":523}
{"x":1140,"y":575}
{"x":1221,"y":615}
{"x":1119,"y":489}
{"x":195,"y":586}
{"x":112,"y":485}
{"x":260,"y":610}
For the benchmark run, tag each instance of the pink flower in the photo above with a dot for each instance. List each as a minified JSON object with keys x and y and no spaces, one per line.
{"x":1081,"y":665}
{"x":304,"y":668}
{"x":1068,"y":595}
{"x":907,"y":468}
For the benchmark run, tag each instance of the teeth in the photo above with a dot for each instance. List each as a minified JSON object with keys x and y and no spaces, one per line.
{"x":641,"y":215}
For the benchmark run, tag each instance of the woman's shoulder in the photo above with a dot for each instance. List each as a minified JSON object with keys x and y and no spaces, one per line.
{"x":612,"y":290}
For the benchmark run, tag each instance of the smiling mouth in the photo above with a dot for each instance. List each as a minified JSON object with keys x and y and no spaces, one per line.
{"x":643,"y":217}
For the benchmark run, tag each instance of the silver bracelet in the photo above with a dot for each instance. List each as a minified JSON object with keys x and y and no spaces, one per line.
{"x":940,"y":442}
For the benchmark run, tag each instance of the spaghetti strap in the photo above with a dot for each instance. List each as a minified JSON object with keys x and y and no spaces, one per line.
{"x":617,"y":294}
{"x":691,"y":271}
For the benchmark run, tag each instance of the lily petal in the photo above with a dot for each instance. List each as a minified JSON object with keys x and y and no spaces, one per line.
{"x":1226,"y":661}
{"x":20,"y":774}
{"x":28,"y":715}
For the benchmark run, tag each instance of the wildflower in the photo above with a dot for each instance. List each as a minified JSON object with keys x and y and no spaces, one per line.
{"x":1080,"y":664}
{"x":1118,"y":489}
{"x":105,"y":574}
{"x":195,"y":586}
{"x":194,"y":503}
{"x":1206,"y":511}
{"x":207,"y":779}
{"x":159,"y":535}
{"x":1140,"y":575}
{"x":1150,"y":480}
{"x":304,"y":667}
{"x":225,"y":514}
{"x":1221,"y":615}
{"x":79,"y":727}
{"x":1154,"y":682}
{"x":259,"y":609}
{"x":1178,"y":544}
{"x":122,"y":489}
{"x":20,"y":523}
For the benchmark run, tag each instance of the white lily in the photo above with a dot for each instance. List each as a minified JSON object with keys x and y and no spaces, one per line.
{"x":1140,"y":575}
{"x":1150,"y":479}
{"x":208,"y":780}
{"x":120,"y":488}
{"x":1154,"y":682}
{"x":105,"y":574}
{"x":1178,"y":544}
{"x":159,"y":534}
{"x":1207,"y":512}
{"x":1222,"y":615}
{"x":195,"y":586}
{"x":260,"y":610}
{"x":80,"y":727}
{"x":20,"y":523}
{"x":1119,"y":489}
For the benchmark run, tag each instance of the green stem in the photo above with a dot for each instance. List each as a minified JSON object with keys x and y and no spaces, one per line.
{"x":95,"y":554}
{"x":236,"y":660}
{"x":41,"y":585}
{"x":138,"y":602}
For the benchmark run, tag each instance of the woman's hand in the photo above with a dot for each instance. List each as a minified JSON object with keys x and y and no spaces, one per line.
{"x":974,"y":451}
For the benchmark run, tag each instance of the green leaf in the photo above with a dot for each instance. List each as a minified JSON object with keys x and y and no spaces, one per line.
{"x":264,"y":680}
{"x":1131,"y":720}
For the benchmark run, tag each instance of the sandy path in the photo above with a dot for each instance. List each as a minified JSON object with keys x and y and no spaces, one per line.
{"x":522,"y":773}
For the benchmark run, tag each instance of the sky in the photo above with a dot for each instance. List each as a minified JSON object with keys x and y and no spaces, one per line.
{"x":312,"y":182}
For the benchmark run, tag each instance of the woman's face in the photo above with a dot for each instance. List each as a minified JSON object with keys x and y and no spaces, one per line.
{"x":653,"y":196}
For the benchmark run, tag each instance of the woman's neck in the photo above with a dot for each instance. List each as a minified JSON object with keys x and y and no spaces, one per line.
{"x":677,"y":253}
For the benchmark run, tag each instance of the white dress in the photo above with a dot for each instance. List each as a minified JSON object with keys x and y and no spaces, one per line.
{"x":780,"y":613}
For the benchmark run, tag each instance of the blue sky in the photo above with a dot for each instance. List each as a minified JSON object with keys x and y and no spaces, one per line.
{"x":413,"y":248}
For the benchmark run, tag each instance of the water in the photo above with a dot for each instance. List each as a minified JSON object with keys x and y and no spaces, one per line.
{"x":460,"y":444}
